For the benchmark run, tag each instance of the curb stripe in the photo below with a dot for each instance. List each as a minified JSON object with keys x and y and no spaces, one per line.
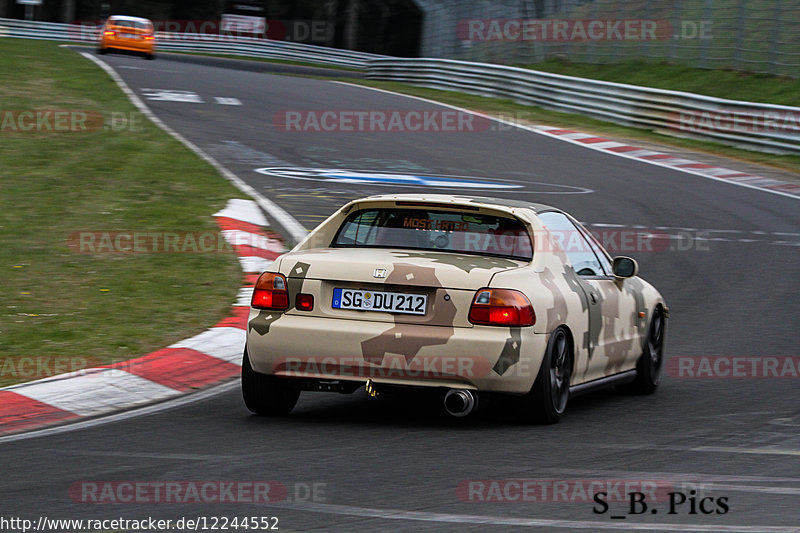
{"x":223,"y":343}
{"x":19,"y":412}
{"x":238,"y":319}
{"x":252,"y":251}
{"x":623,"y":148}
{"x":243,"y":210}
{"x":226,"y":223}
{"x":96,"y":391}
{"x":182,"y":369}
{"x":253,"y":265}
{"x":271,"y":243}
{"x":243,"y":298}
{"x":671,"y":161}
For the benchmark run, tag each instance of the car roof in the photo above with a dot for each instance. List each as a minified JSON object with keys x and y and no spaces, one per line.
{"x":461,"y":200}
{"x":130,"y":19}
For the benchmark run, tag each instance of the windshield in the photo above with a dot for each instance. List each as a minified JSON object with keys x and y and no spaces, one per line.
{"x":438,"y":230}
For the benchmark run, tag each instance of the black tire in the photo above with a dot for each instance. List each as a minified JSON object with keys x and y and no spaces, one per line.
{"x":150,"y":56}
{"x":651,"y":362}
{"x":102,"y":51}
{"x":266,"y":395}
{"x":547,"y":400}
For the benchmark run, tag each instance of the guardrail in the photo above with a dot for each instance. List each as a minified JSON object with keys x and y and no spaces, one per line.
{"x":755,"y":126}
{"x":196,"y":42}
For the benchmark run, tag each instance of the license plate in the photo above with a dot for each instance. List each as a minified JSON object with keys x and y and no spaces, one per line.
{"x":129,"y":36}
{"x":389,"y":302}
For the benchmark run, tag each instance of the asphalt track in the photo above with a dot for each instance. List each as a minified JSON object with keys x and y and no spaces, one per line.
{"x":389,"y":466}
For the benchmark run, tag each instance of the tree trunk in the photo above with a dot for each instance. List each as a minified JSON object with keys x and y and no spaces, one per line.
{"x":67,"y":11}
{"x":351,"y":26}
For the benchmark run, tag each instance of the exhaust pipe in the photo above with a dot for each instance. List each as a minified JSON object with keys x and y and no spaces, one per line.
{"x":460,"y":402}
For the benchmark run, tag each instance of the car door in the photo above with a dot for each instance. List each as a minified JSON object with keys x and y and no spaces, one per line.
{"x":612,"y":335}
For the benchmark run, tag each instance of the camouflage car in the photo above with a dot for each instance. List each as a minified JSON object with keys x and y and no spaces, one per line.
{"x":465,"y":295}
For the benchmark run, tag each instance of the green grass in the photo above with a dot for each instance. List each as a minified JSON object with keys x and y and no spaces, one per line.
{"x":510,"y":110}
{"x":729,"y":84}
{"x":104,"y":307}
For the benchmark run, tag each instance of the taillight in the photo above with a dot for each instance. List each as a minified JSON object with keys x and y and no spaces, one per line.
{"x":148,"y":37}
{"x":270,"y":292}
{"x":501,"y":307}
{"x":304,"y":302}
{"x":109,"y":32}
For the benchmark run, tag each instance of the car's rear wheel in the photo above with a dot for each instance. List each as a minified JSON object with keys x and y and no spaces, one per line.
{"x":651,"y":362}
{"x":266,"y":395}
{"x":548,"y":397}
{"x":150,"y":56}
{"x":102,"y":51}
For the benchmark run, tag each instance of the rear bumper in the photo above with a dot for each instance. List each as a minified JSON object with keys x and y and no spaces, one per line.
{"x":481,"y":358}
{"x":130,"y":45}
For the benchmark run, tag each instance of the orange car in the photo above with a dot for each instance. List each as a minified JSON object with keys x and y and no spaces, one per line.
{"x":133,"y":34}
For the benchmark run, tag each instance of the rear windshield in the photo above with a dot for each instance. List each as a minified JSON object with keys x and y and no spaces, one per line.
{"x":447,"y":231}
{"x":130,"y":24}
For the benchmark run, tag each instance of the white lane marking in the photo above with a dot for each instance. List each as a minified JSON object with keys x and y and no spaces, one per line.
{"x":757,"y":451}
{"x":668,"y":476}
{"x":693,"y":480}
{"x":295,"y":230}
{"x":222,"y":100}
{"x":708,"y":449}
{"x":423,"y":516}
{"x":572,"y":138}
{"x":131,"y":68}
{"x":185,"y":399}
{"x":144,"y":455}
{"x":792,"y":491}
{"x":399,"y":179}
{"x":97,"y":392}
{"x":172,"y":95}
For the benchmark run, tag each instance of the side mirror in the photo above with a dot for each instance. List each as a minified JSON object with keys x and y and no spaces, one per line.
{"x":625,"y":267}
